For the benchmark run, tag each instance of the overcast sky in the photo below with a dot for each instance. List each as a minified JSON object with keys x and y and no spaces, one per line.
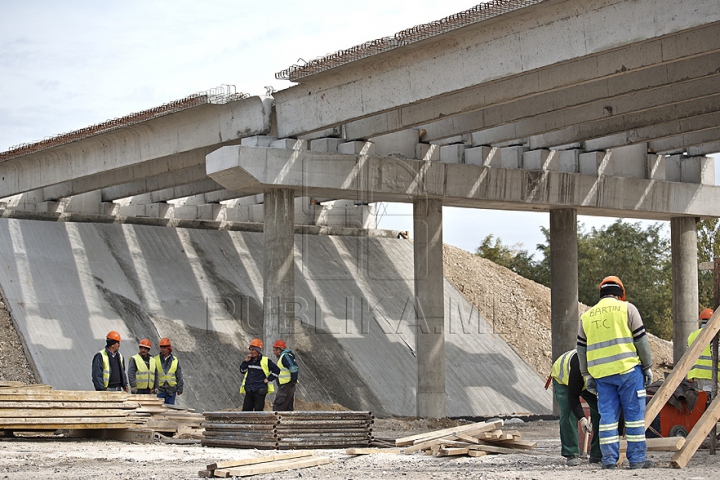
{"x":66,"y":65}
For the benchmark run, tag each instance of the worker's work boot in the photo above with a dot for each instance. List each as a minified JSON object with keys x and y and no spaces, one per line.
{"x":646,"y":464}
{"x":595,"y":460}
{"x":610,"y":466}
{"x":574,"y":461}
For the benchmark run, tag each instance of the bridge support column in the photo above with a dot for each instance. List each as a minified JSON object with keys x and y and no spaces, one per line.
{"x":429,"y":307}
{"x":279,"y":267}
{"x":564,"y":313}
{"x":685,"y":296}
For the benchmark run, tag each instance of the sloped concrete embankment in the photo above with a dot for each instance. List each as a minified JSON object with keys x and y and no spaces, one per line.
{"x":67,"y":284}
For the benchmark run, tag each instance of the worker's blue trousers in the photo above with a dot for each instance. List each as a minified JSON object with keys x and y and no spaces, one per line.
{"x":625,"y":392}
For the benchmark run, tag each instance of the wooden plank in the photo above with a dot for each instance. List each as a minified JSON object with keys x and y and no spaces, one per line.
{"x":61,"y":420}
{"x":59,"y":412}
{"x":682,"y":368}
{"x":465,"y":429}
{"x":466,"y":438}
{"x":698,"y":434}
{"x":450,"y":452}
{"x":371,"y":451}
{"x":496,"y":449}
{"x":669,"y":444}
{"x":429,"y":444}
{"x":22,"y":427}
{"x":256,"y":460}
{"x":521,"y":444}
{"x":476,"y":453}
{"x":66,"y":396}
{"x":62,"y":404}
{"x":280,"y":466}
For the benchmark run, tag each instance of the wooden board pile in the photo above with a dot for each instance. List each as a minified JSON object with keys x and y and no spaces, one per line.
{"x":475,"y":440}
{"x":260,"y":465}
{"x":112,"y":415}
{"x":287,"y":430}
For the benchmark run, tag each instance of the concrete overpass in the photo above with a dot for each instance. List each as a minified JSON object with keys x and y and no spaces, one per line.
{"x":599,"y":107}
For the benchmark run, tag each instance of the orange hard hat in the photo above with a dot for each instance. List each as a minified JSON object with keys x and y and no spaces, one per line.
{"x":256,"y":342}
{"x":280,"y":344}
{"x":612,"y":280}
{"x":165,"y":342}
{"x":145,"y":343}
{"x":706,"y":314}
{"x":113,"y":335}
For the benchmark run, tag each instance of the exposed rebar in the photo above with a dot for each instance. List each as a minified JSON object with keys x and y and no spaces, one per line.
{"x":478,"y":13}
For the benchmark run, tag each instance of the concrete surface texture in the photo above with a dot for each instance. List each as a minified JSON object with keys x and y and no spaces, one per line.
{"x":68,"y":284}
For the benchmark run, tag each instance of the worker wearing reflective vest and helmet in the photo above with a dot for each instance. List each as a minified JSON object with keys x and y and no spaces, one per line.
{"x":142,"y":369}
{"x":108,"y":366}
{"x":569,"y":387}
{"x":287,"y":380}
{"x":615,"y":359}
{"x":701,"y":373}
{"x":258,"y":374}
{"x":170,"y":382}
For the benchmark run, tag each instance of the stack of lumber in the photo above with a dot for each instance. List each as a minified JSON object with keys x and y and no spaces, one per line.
{"x":475,"y":440}
{"x":286,"y":430}
{"x":261,"y":465}
{"x":39,"y":407}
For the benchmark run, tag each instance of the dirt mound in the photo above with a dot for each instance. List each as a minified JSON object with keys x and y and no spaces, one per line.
{"x":518,"y":309}
{"x":14,"y":365}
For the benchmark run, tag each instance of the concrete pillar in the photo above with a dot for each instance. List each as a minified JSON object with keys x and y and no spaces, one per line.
{"x":429,"y":307}
{"x":564,"y":315}
{"x":685,"y":297}
{"x":279,"y":279}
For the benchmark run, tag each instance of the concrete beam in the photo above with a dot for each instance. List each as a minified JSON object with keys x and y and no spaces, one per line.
{"x":372,"y":179}
{"x":188,"y":132}
{"x":192,"y":181}
{"x":683,"y":142}
{"x":500,"y":48}
{"x":705,"y":149}
{"x":640,"y":127}
{"x":599,"y":98}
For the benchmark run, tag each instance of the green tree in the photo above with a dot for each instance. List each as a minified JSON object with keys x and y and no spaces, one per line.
{"x":708,"y":232}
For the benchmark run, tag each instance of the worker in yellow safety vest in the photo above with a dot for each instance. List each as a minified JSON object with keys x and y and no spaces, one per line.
{"x":142,"y":369}
{"x":258,"y":374}
{"x":701,"y":373}
{"x":615,"y":360}
{"x":170,"y":380}
{"x":108,"y":366}
{"x":288,"y":378}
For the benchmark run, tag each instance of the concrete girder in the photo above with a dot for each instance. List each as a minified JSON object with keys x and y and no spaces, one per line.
{"x":193,"y":180}
{"x":374,"y":179}
{"x":705,"y":149}
{"x":155,"y":174}
{"x":652,"y":124}
{"x":683,"y":142}
{"x":632,"y":106}
{"x":191,"y":130}
{"x":516,"y":98}
{"x":500,"y":48}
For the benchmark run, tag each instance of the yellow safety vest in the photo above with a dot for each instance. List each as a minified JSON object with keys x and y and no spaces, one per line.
{"x":168,"y":377}
{"x":610,"y":347}
{"x":143,"y":373}
{"x":266,"y":369}
{"x":106,"y":366}
{"x":284,"y":376}
{"x":561,"y":368}
{"x":703,"y":367}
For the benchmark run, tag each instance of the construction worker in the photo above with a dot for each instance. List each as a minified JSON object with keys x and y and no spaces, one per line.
{"x":142,"y":369}
{"x":259,"y":373}
{"x":287,"y":380}
{"x":701,"y":373}
{"x":169,"y":382}
{"x":615,"y":359}
{"x":108,"y":366}
{"x":568,"y":387}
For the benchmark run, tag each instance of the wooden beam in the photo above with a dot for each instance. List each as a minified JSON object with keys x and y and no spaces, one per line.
{"x":664,"y":444}
{"x":682,"y":368}
{"x":256,"y":460}
{"x":450,"y":452}
{"x":274,"y":467}
{"x":698,"y":434}
{"x":465,"y":429}
{"x":370,"y":451}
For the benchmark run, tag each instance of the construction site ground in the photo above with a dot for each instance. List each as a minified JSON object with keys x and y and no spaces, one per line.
{"x":78,"y":459}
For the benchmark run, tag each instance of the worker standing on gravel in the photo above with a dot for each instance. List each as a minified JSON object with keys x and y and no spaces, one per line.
{"x":568,"y":387}
{"x":108,"y":366}
{"x":701,"y":373}
{"x":615,"y":359}
{"x":142,"y":369}
{"x":169,"y":374}
{"x":287,"y":380}
{"x":259,"y":373}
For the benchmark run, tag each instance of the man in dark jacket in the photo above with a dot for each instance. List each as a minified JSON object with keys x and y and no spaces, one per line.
{"x":108,"y":366}
{"x":287,"y":380}
{"x":259,"y":373}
